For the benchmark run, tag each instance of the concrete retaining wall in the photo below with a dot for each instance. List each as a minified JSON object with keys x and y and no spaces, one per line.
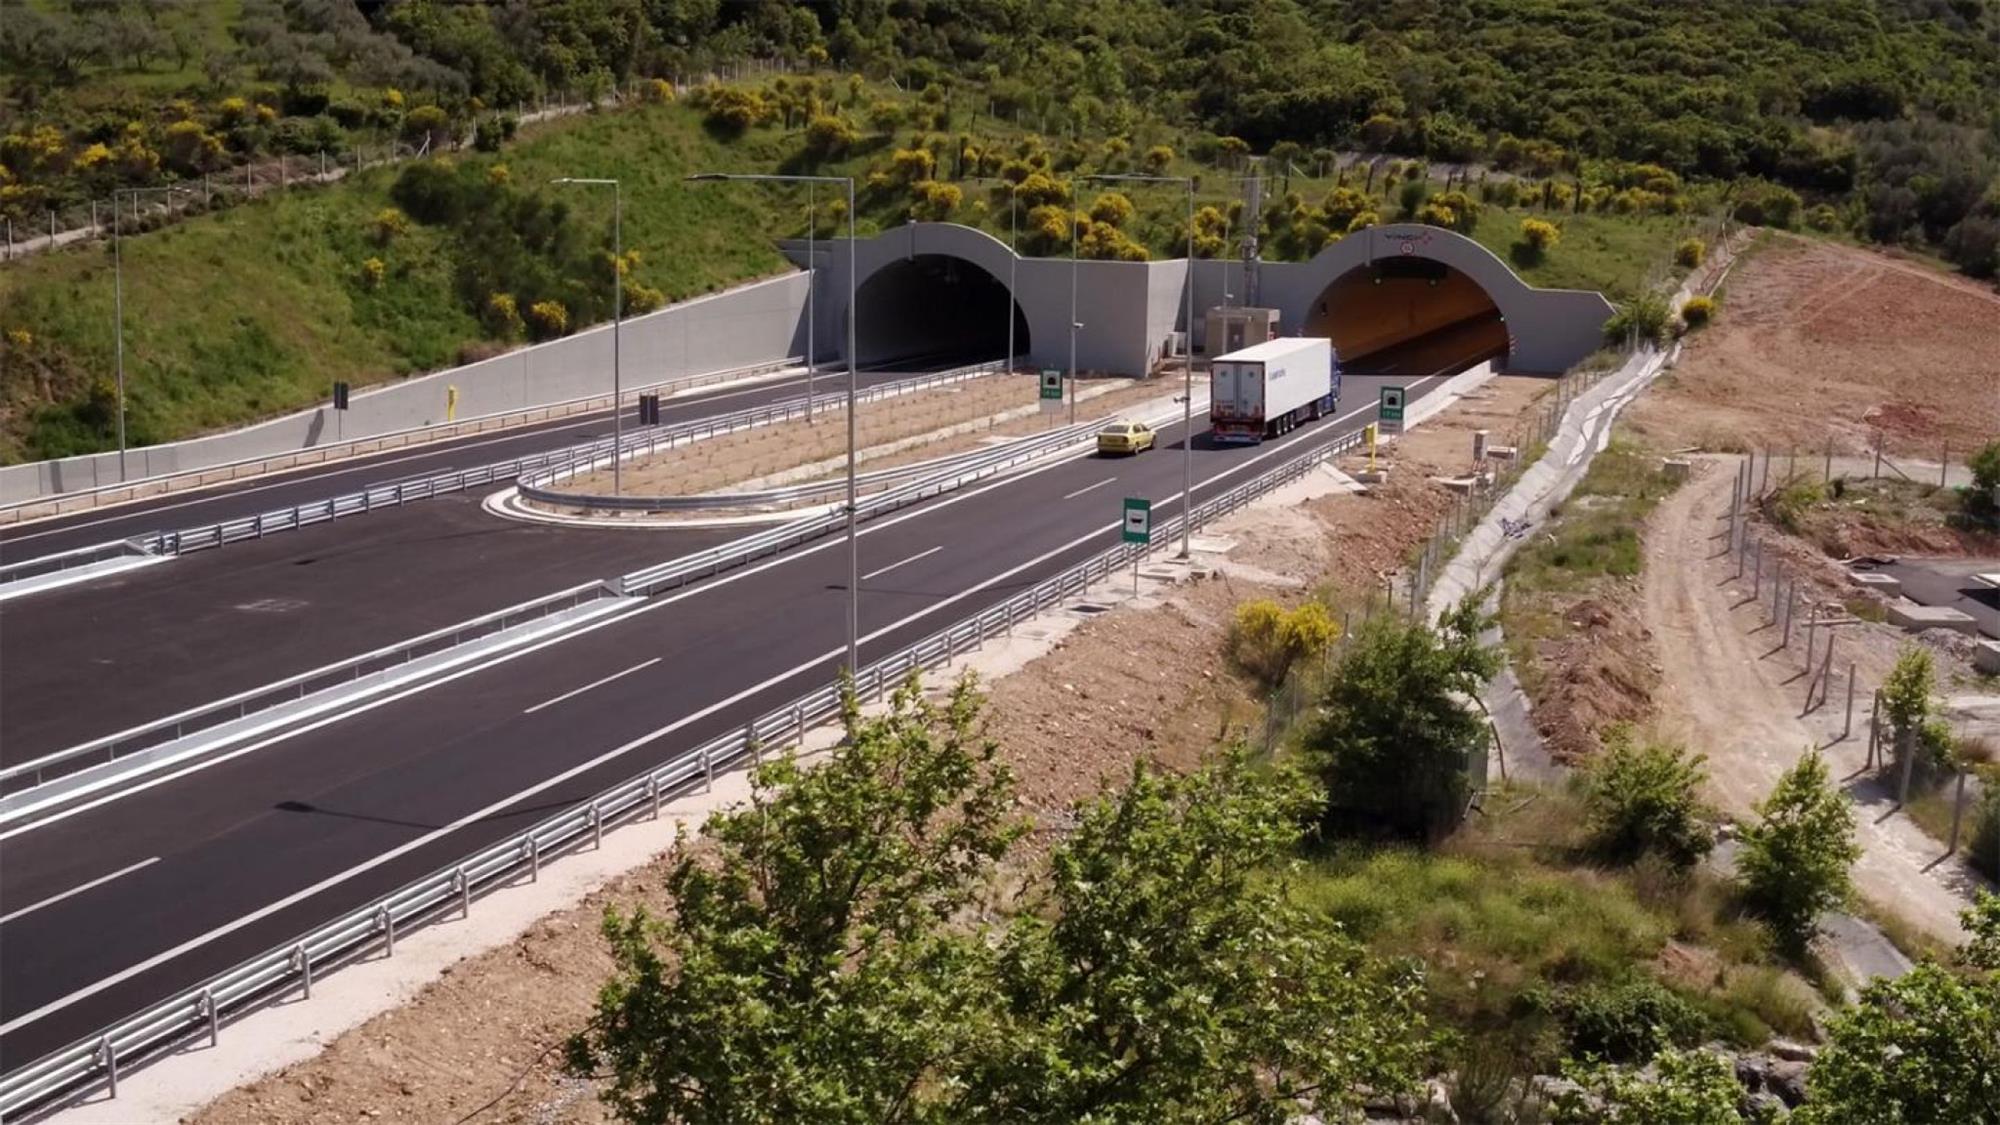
{"x":755,"y":323}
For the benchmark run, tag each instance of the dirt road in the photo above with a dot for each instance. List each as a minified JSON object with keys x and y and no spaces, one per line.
{"x":1728,"y":694}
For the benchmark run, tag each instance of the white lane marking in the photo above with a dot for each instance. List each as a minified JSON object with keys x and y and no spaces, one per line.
{"x":663,"y":602}
{"x":97,"y":882}
{"x":640,"y":667}
{"x":303,"y":473}
{"x":905,"y":562}
{"x":503,"y":803}
{"x":1087,"y":488}
{"x":655,"y":604}
{"x":334,"y":880}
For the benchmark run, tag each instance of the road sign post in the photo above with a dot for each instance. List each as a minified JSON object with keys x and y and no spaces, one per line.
{"x":1390,"y":411}
{"x":1052,"y":390}
{"x":340,"y":395}
{"x":1138,"y":529}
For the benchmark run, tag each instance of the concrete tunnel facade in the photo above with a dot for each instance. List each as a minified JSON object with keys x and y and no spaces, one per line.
{"x":1129,"y":311}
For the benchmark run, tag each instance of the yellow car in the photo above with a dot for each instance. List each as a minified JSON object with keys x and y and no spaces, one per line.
{"x":1125,"y":437}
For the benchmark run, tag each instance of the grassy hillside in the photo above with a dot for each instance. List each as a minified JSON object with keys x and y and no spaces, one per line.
{"x":256,"y":308}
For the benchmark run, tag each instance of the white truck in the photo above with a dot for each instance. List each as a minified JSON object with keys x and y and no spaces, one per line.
{"x":1265,"y":390}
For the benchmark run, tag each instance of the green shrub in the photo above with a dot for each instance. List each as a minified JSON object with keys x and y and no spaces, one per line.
{"x":1789,"y":507}
{"x":1628,"y":1021}
{"x":1698,"y":311}
{"x":549,"y":319}
{"x":1795,"y":860}
{"x":1644,"y":318}
{"x":1644,"y":798}
{"x":1690,"y":253}
{"x":1985,"y":846}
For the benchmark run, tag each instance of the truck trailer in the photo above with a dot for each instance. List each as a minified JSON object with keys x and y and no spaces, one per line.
{"x":1265,"y":390}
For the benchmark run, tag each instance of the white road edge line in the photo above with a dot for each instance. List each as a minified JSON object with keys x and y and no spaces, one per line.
{"x":593,"y":684}
{"x":504,"y":803}
{"x":97,"y":882}
{"x":301,"y":895}
{"x":905,"y":562}
{"x":1087,"y":488}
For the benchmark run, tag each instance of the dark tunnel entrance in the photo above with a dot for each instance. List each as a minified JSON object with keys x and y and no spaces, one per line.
{"x":1407,"y":313}
{"x":935,"y":309}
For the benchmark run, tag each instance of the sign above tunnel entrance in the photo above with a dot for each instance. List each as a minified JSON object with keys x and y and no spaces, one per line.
{"x":1390,"y":411}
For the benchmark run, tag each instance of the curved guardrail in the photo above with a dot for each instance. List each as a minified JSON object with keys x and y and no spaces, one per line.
{"x":71,"y":559}
{"x":292,"y":965}
{"x":205,"y":536}
{"x":793,"y":495}
{"x":715,"y":560}
{"x":538,"y":484}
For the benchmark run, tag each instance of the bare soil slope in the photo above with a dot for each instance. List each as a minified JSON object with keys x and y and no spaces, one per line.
{"x":1818,"y":343}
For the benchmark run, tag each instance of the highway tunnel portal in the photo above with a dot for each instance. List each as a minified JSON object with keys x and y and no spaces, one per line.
{"x":941,"y":290}
{"x":936,"y":307}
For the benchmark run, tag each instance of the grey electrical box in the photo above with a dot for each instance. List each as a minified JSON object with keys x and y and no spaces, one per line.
{"x":1233,"y":328}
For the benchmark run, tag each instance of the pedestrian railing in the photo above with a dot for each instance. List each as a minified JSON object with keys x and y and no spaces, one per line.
{"x":293,"y":965}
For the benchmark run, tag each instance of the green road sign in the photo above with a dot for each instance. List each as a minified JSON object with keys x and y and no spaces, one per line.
{"x":1052,"y":387}
{"x":1391,"y":410}
{"x":1138,"y":520}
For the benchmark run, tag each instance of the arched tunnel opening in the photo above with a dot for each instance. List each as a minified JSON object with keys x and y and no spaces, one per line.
{"x":935,"y":309}
{"x":1408,"y":315}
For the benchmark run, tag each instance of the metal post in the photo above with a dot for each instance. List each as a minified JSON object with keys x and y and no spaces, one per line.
{"x":707,"y":770}
{"x":1812,"y":622}
{"x":118,"y":313}
{"x":596,"y":818}
{"x":1072,"y":316}
{"x":1013,"y":260}
{"x":387,"y":924}
{"x":107,"y":1057}
{"x":653,"y":796}
{"x":1847,"y":728}
{"x":853,"y":540}
{"x":1874,"y":729}
{"x":205,"y":1007}
{"x":1957,"y":814}
{"x":464,"y":888}
{"x":1877,"y":474}
{"x":303,"y":964}
{"x":1757,"y":573}
{"x":1764,"y":483}
{"x":1791,"y":608}
{"x":812,"y":293}
{"x":534,"y":859}
{"x":1829,"y":462}
{"x":1187,"y":395}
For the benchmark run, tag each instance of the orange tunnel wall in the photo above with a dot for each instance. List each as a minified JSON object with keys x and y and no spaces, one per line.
{"x":1361,"y":316}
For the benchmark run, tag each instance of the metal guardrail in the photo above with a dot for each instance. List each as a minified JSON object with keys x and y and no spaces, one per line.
{"x":26,"y":776}
{"x":206,"y":536}
{"x":798,"y":494}
{"x":222,"y":472}
{"x":293,"y":964}
{"x":585,"y":459}
{"x":715,"y":560}
{"x":69,"y":560}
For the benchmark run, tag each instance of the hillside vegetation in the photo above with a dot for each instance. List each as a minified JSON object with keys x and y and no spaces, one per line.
{"x":1623,"y":127}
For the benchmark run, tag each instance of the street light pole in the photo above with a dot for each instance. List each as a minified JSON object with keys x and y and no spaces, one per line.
{"x":812,"y":293}
{"x":617,"y":325}
{"x":1187,"y":360}
{"x":1013,"y":260}
{"x":1072,"y":317}
{"x":118,"y":301}
{"x":853,"y":396}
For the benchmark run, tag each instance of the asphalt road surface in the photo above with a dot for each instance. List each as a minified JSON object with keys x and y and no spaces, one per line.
{"x":119,"y":906}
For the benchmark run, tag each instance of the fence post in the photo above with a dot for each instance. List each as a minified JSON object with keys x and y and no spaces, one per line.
{"x":10,"y":240}
{"x":387,"y":924}
{"x":93,"y":213}
{"x":1812,"y":622}
{"x":1757,"y":574}
{"x":1944,"y":463}
{"x":1764,"y":483}
{"x":596,"y":819}
{"x":464,"y":887}
{"x":1829,"y":462}
{"x":1847,"y":728}
{"x":205,"y":1007}
{"x":1791,"y":610}
{"x":1875,"y":730}
{"x":1877,"y":474}
{"x":1957,"y":814}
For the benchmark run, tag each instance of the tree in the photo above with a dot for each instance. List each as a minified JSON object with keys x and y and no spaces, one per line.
{"x":1643,"y":798}
{"x":1396,"y":732}
{"x":1982,"y":926}
{"x":1795,"y":860}
{"x":1693,"y":1087}
{"x":1538,"y":237}
{"x":807,"y":972}
{"x":1983,"y":501}
{"x":1920,"y":1048}
{"x":1906,"y":698}
{"x":1163,"y":974}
